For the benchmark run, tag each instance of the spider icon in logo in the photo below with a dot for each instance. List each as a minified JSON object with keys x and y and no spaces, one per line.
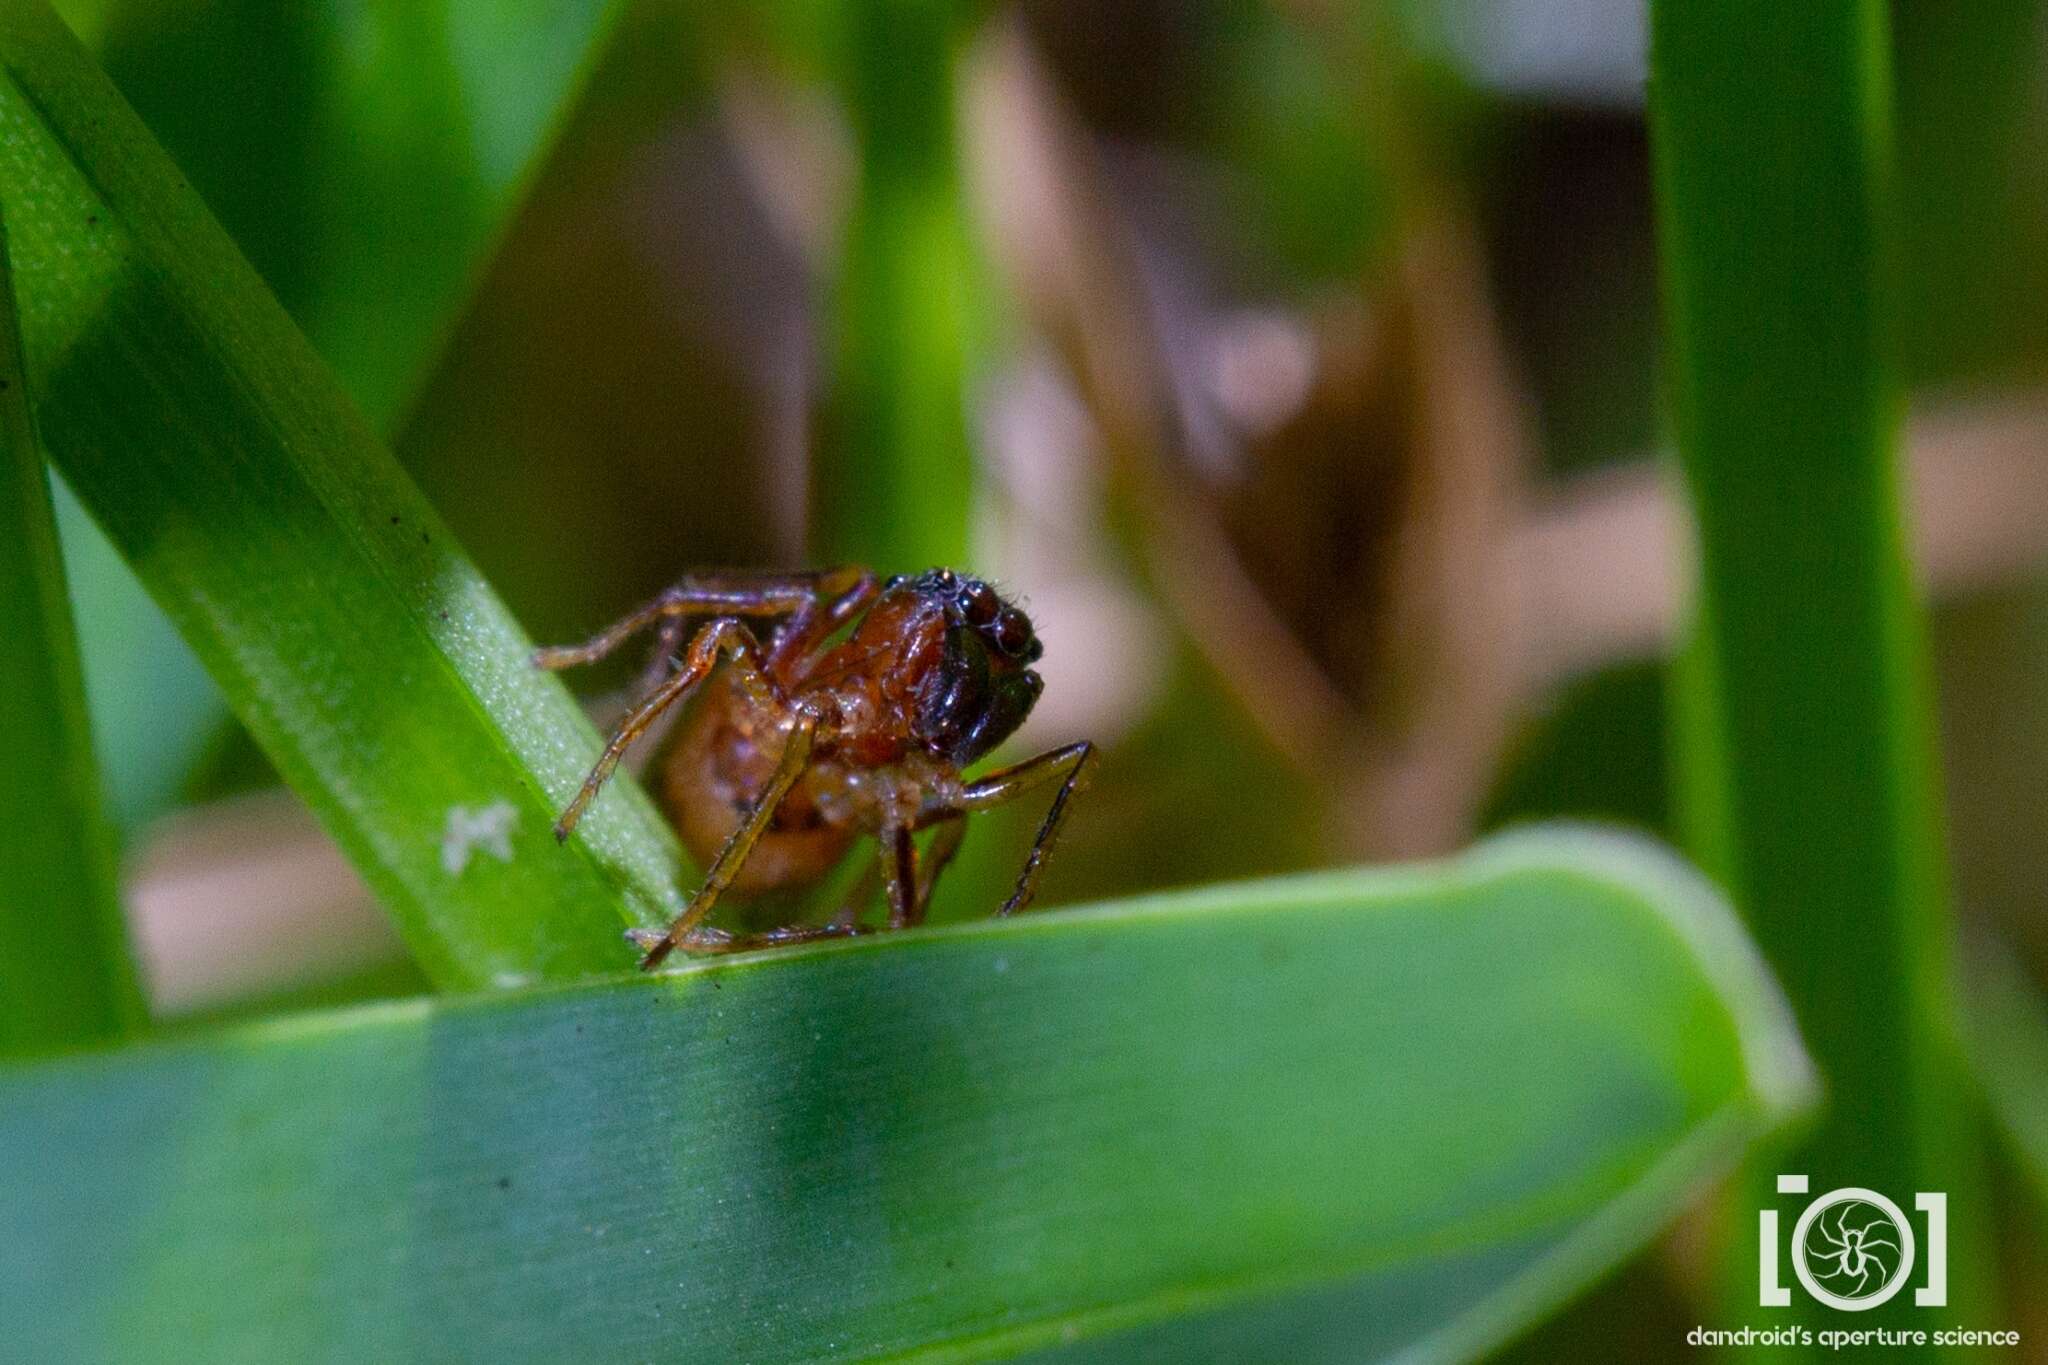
{"x":1852,"y":1248}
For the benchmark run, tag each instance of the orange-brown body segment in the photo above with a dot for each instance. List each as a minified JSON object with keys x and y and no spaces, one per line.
{"x":865,"y":764}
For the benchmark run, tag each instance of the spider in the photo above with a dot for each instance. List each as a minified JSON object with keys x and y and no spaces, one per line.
{"x":801,"y":746}
{"x":1853,"y":1250}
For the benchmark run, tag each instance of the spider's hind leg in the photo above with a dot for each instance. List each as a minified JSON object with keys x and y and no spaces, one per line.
{"x":754,"y":596}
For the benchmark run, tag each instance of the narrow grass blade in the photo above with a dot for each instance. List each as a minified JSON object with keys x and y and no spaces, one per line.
{"x":1334,"y":1117}
{"x":65,"y":972}
{"x":365,"y":158}
{"x":349,"y":632}
{"x":149,"y":739}
{"x":893,"y":474}
{"x":1805,"y":751}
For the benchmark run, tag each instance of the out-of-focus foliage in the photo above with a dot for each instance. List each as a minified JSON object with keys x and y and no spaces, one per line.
{"x":364,"y":157}
{"x":892,"y":473}
{"x":1805,"y":760}
{"x":1973,"y":210}
{"x":1306,"y":163}
{"x":65,"y":975}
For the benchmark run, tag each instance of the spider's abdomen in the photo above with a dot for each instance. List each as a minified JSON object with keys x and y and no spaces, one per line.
{"x":722,"y":758}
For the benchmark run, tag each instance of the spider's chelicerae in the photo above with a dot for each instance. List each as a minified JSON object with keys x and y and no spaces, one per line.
{"x":800,"y":746}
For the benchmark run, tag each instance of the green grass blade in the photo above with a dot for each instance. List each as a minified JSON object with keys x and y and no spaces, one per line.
{"x":365,"y":158}
{"x":149,"y":739}
{"x":893,"y":474}
{"x":348,"y":630}
{"x":1422,"y":1105}
{"x":65,"y":972}
{"x":1804,"y":734}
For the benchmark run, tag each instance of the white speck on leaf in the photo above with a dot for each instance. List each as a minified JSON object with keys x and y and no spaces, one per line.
{"x":489,"y":828}
{"x":1002,"y":964}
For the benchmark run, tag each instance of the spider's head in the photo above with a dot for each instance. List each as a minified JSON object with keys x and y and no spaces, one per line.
{"x":983,"y":686}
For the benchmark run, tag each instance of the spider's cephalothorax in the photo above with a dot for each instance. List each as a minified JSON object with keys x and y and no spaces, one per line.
{"x":982,"y":687}
{"x":801,"y":746}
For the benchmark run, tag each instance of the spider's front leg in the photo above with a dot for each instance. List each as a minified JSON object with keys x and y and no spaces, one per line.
{"x":845,"y":923}
{"x":725,"y":868}
{"x":707,"y":941}
{"x":932,"y":862}
{"x":1069,"y":765}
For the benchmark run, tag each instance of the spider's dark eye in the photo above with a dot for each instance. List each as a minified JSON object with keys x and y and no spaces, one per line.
{"x":944,"y":578}
{"x":1013,"y":633}
{"x":979,"y":604}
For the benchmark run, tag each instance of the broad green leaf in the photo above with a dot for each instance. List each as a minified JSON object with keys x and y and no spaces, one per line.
{"x":65,"y":973}
{"x":348,"y":630}
{"x":1337,"y":1116}
{"x":1805,"y":750}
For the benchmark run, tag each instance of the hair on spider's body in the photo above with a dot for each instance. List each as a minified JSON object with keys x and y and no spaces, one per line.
{"x":800,"y":747}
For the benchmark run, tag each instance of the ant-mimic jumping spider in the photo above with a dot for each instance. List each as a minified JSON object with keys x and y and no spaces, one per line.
{"x":802,"y":746}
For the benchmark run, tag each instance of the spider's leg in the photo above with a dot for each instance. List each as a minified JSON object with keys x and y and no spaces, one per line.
{"x":707,"y":941}
{"x":727,"y":637}
{"x":1072,"y":763}
{"x":899,"y":867}
{"x":709,"y":594}
{"x":932,"y":862}
{"x":630,"y":727}
{"x":840,"y":595}
{"x":796,"y":756}
{"x":704,"y":940}
{"x":667,"y":641}
{"x":860,"y":896}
